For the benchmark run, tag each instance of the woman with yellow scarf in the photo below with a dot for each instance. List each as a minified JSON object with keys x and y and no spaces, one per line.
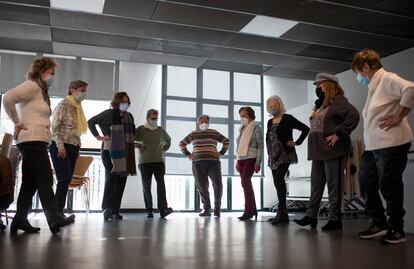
{"x":68,"y":124}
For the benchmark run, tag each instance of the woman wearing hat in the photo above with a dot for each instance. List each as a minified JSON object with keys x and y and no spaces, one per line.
{"x":329,"y":145}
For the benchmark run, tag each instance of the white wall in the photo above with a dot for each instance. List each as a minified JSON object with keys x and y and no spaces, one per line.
{"x":142,"y":82}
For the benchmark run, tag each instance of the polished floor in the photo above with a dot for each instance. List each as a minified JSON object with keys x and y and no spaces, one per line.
{"x":184,"y":240}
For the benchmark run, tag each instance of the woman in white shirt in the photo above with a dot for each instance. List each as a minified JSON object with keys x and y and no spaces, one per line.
{"x":32,"y":135}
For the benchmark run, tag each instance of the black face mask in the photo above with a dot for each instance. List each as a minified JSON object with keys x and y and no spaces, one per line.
{"x":321,"y":97}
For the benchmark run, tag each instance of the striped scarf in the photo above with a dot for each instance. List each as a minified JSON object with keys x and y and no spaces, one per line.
{"x":122,"y":150}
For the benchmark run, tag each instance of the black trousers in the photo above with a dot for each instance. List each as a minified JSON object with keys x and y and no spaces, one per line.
{"x":279,"y":180}
{"x":114,"y":185}
{"x":381,"y":171}
{"x":36,"y":176}
{"x":147,"y":171}
{"x":64,"y":171}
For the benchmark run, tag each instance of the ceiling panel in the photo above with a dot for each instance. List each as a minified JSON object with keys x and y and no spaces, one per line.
{"x":187,"y":34}
{"x":141,"y":9}
{"x":97,"y":39}
{"x":26,"y":45}
{"x":233,"y":66}
{"x":315,"y":65}
{"x":22,"y":13}
{"x":259,"y":43}
{"x":325,"y":52}
{"x":24,"y":31}
{"x":95,"y":22}
{"x":198,"y":16}
{"x":402,"y":7}
{"x":189,"y":49}
{"x":159,"y":58}
{"x":91,"y":51}
{"x":150,"y":44}
{"x":246,"y":56}
{"x":44,"y":3}
{"x":291,"y":73}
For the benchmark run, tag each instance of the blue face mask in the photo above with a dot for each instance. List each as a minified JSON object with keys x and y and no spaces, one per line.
{"x":123,"y":107}
{"x":81,"y":96}
{"x":363,"y":80}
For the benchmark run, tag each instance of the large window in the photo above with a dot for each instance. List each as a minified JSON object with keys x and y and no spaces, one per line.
{"x":189,"y":93}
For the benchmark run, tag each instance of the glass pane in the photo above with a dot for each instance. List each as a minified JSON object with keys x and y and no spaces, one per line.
{"x":216,"y":111}
{"x":178,"y":130}
{"x":180,"y":192}
{"x":216,"y":85}
{"x":247,"y":87}
{"x":178,"y":165}
{"x":221,"y":128}
{"x":181,"y":81}
{"x":181,"y":108}
{"x":238,"y":194}
{"x":257,"y":112}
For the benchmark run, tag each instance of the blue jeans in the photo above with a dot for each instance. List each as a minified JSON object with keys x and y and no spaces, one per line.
{"x":381,"y":171}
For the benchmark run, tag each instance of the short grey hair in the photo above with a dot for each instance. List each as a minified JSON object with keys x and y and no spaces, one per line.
{"x":278,"y":100}
{"x":151,"y":111}
{"x":203,"y":117}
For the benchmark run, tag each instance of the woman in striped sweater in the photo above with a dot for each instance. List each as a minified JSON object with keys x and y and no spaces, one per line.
{"x":206,"y":162}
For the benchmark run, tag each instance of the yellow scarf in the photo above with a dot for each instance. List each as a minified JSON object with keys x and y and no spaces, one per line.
{"x":82,"y":124}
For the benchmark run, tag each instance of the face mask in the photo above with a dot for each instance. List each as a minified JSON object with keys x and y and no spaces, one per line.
{"x":123,"y":107}
{"x":153,"y":123}
{"x":363,"y":80}
{"x":50,"y":80}
{"x":244,"y":121}
{"x":203,"y":126}
{"x":320,"y":93}
{"x":273,"y":111}
{"x":81,"y":96}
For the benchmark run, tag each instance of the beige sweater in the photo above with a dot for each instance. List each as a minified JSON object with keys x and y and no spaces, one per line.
{"x":387,"y":91}
{"x":32,"y":111}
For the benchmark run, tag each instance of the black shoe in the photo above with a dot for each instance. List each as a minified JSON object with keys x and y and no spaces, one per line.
{"x":247,"y":216}
{"x":205,"y":213}
{"x":24,"y":225}
{"x":372,"y":232}
{"x":281,"y":218}
{"x":216,"y":213}
{"x":150,"y":215}
{"x":117,"y":216}
{"x":62,"y":222}
{"x":394,"y":237}
{"x":270,"y":220}
{"x":2,"y":226}
{"x":166,"y":212}
{"x":107,"y":214}
{"x":332,"y":225}
{"x":305,"y":221}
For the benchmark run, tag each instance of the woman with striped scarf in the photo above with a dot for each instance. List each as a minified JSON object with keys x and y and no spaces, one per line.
{"x":117,"y":151}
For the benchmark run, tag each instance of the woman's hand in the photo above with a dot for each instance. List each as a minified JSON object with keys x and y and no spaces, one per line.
{"x":102,"y":138}
{"x":191,"y":157}
{"x":17,"y":128}
{"x":257,"y":167}
{"x":291,"y":143}
{"x":62,"y":152}
{"x":332,"y":139}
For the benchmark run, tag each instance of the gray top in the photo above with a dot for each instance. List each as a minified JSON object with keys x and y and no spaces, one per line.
{"x":340,"y":118}
{"x":256,"y":144}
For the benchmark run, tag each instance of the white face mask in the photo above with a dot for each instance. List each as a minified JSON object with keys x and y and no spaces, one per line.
{"x":123,"y":107}
{"x":203,"y":126}
{"x":50,"y":80}
{"x":81,"y":96}
{"x":153,"y":123}
{"x":273,"y":111}
{"x":244,"y":121}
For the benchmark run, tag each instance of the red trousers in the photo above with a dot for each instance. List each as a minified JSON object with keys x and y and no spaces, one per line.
{"x":246,"y":170}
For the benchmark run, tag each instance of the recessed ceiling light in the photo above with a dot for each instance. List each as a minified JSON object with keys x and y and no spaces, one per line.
{"x":268,"y":26}
{"x":91,"y":6}
{"x":59,"y":56}
{"x":18,"y":52}
{"x":97,"y":60}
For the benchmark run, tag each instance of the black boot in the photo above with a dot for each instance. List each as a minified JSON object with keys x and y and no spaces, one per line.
{"x":247,"y":216}
{"x":305,"y":221}
{"x":281,"y":218}
{"x":332,"y":225}
{"x":61,"y":222}
{"x":107,"y":214}
{"x":24,"y":225}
